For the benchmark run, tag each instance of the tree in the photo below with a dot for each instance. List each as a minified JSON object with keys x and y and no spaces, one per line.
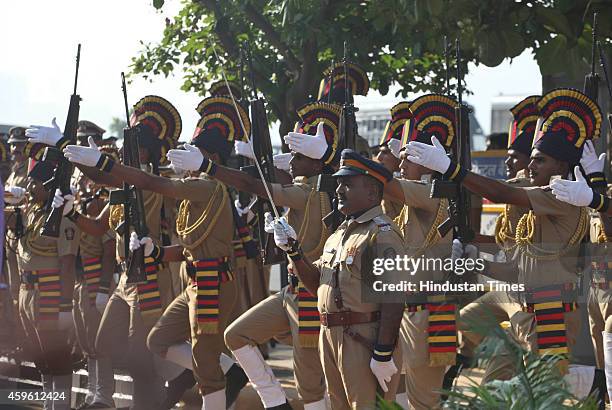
{"x":397,"y":41}
{"x":116,"y":127}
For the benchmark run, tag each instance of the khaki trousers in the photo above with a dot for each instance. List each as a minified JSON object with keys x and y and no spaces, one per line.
{"x":179,"y":323}
{"x":47,"y":346}
{"x":122,"y":336}
{"x":423,"y":382}
{"x":346,"y":364}
{"x":599,"y":307}
{"x":495,"y":307}
{"x":86,"y":318}
{"x":278,"y":316}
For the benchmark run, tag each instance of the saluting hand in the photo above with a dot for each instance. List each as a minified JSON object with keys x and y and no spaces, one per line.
{"x":309,"y":145}
{"x":576,"y":192}
{"x":430,"y":156}
{"x":281,"y":161}
{"x":189,"y":159}
{"x":590,"y":161}
{"x":39,"y":134}
{"x":79,"y":154}
{"x":245,"y":149}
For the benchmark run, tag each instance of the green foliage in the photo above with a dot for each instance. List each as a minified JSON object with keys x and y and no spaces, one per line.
{"x":537,"y":385}
{"x":397,"y":41}
{"x":116,"y":127}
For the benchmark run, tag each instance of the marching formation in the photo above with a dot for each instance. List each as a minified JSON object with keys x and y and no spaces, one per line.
{"x":156,"y":256}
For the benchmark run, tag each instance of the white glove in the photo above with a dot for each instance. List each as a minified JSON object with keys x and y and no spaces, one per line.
{"x":88,"y":156}
{"x":178,"y":171}
{"x":16,"y":194}
{"x":66,"y":201}
{"x":577,"y":192}
{"x":283,"y":233}
{"x":65,"y":321}
{"x":101,"y":301}
{"x":430,"y":156}
{"x":243,"y":211}
{"x":44,"y":135}
{"x":459,"y":251}
{"x":589,"y":161}
{"x":281,"y":161}
{"x":394,"y":146}
{"x":189,"y":159}
{"x":136,"y":243}
{"x":309,"y":145}
{"x":383,"y":371}
{"x":268,"y":222}
{"x":245,"y":149}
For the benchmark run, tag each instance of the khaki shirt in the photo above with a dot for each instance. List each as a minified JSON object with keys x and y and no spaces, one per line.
{"x":152,"y":206}
{"x":307,"y":207}
{"x":391,"y":208}
{"x":555,"y":223}
{"x":419,"y":221}
{"x":19,"y":176}
{"x":513,"y":213}
{"x":93,"y":246}
{"x":36,"y":252}
{"x":346,"y":247}
{"x":206,"y":201}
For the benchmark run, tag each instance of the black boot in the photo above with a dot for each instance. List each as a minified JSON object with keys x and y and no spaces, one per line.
{"x":235,"y":380}
{"x":463,"y":362}
{"x":599,"y":387}
{"x":177,"y":387}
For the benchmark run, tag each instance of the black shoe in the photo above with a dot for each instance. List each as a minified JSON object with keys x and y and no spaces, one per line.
{"x":235,"y":380}
{"x":463,"y":362}
{"x":284,"y":406}
{"x":177,"y":387}
{"x":599,"y":388}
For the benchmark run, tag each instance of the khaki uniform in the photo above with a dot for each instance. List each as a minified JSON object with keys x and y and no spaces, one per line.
{"x":346,"y":361}
{"x":127,"y":319}
{"x":600,"y":295}
{"x":206,"y":230}
{"x":418,"y":221}
{"x":278,"y":315}
{"x":39,"y":293}
{"x":556,"y":226}
{"x":17,"y":178}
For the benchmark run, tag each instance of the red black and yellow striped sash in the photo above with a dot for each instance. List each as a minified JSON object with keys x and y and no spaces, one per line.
{"x":92,"y":270}
{"x":441,"y":330}
{"x":549,"y":308}
{"x":209,"y":274}
{"x":49,"y":290}
{"x":244,"y":234}
{"x":309,"y":321}
{"x":149,"y":299}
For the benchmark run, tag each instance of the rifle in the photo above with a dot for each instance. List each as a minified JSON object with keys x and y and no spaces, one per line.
{"x":65,"y":168}
{"x":132,"y":200}
{"x":262,"y":147}
{"x":459,"y":200}
{"x":591,"y":80}
{"x":348,"y":134}
{"x":604,"y":68}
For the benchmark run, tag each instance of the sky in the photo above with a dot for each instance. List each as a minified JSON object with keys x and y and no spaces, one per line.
{"x":39,"y":47}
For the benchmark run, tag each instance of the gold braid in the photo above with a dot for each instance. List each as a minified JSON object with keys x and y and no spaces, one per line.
{"x":601,"y":232}
{"x":525,"y":230}
{"x":503,"y":231}
{"x":183,"y":215}
{"x":325,"y":209}
{"x":433,"y":236}
{"x":150,"y":205}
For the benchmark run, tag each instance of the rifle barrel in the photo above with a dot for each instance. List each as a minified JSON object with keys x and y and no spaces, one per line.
{"x":76,"y":74}
{"x":125,"y":99}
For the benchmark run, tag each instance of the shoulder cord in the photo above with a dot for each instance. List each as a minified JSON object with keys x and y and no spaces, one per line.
{"x":433,"y":235}
{"x":525,"y":230}
{"x":181,"y":220}
{"x":502,"y":229}
{"x":325,"y":209}
{"x":601,"y":232}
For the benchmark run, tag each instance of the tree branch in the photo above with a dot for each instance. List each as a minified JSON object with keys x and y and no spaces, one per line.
{"x":273,"y":37}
